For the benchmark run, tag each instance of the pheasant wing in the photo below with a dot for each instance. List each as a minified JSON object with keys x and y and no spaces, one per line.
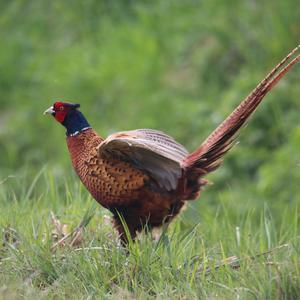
{"x":150,"y":150}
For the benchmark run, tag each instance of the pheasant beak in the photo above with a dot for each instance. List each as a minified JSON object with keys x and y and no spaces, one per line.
{"x":49,"y":111}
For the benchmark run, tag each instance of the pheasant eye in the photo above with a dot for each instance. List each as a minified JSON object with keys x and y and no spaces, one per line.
{"x":61,"y":108}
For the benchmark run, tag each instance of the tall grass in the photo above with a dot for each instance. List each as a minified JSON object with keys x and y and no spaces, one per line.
{"x":181,"y":264}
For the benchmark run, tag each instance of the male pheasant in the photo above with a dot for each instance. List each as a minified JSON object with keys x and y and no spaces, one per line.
{"x":144,"y":175}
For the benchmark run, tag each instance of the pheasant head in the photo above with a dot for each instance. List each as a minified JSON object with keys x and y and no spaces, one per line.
{"x":69,"y":116}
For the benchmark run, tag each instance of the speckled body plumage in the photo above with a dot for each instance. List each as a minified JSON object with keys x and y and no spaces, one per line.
{"x":120,"y":187}
{"x":144,"y":175}
{"x":111,"y":181}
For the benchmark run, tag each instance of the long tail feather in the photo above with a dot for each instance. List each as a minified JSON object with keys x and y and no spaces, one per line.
{"x":209,"y":155}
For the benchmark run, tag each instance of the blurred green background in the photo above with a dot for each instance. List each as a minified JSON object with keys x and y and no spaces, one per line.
{"x":177,"y":66}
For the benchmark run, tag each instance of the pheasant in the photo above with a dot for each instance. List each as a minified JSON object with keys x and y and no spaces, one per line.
{"x":144,"y":177}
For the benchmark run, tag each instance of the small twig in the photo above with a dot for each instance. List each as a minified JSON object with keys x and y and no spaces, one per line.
{"x":92,"y":248}
{"x":75,"y":234}
{"x":234,"y":261}
{"x":58,"y":243}
{"x":268,"y":252}
{"x":231,"y":261}
{"x":6,"y":178}
{"x":56,"y":223}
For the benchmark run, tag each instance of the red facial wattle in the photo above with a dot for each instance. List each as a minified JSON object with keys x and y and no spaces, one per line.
{"x":60,"y":116}
{"x":61,"y":110}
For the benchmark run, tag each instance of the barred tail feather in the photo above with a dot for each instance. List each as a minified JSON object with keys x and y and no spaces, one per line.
{"x":209,"y":155}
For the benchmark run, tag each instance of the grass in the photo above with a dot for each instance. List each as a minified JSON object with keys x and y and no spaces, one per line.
{"x":175,"y":267}
{"x":177,"y":66}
